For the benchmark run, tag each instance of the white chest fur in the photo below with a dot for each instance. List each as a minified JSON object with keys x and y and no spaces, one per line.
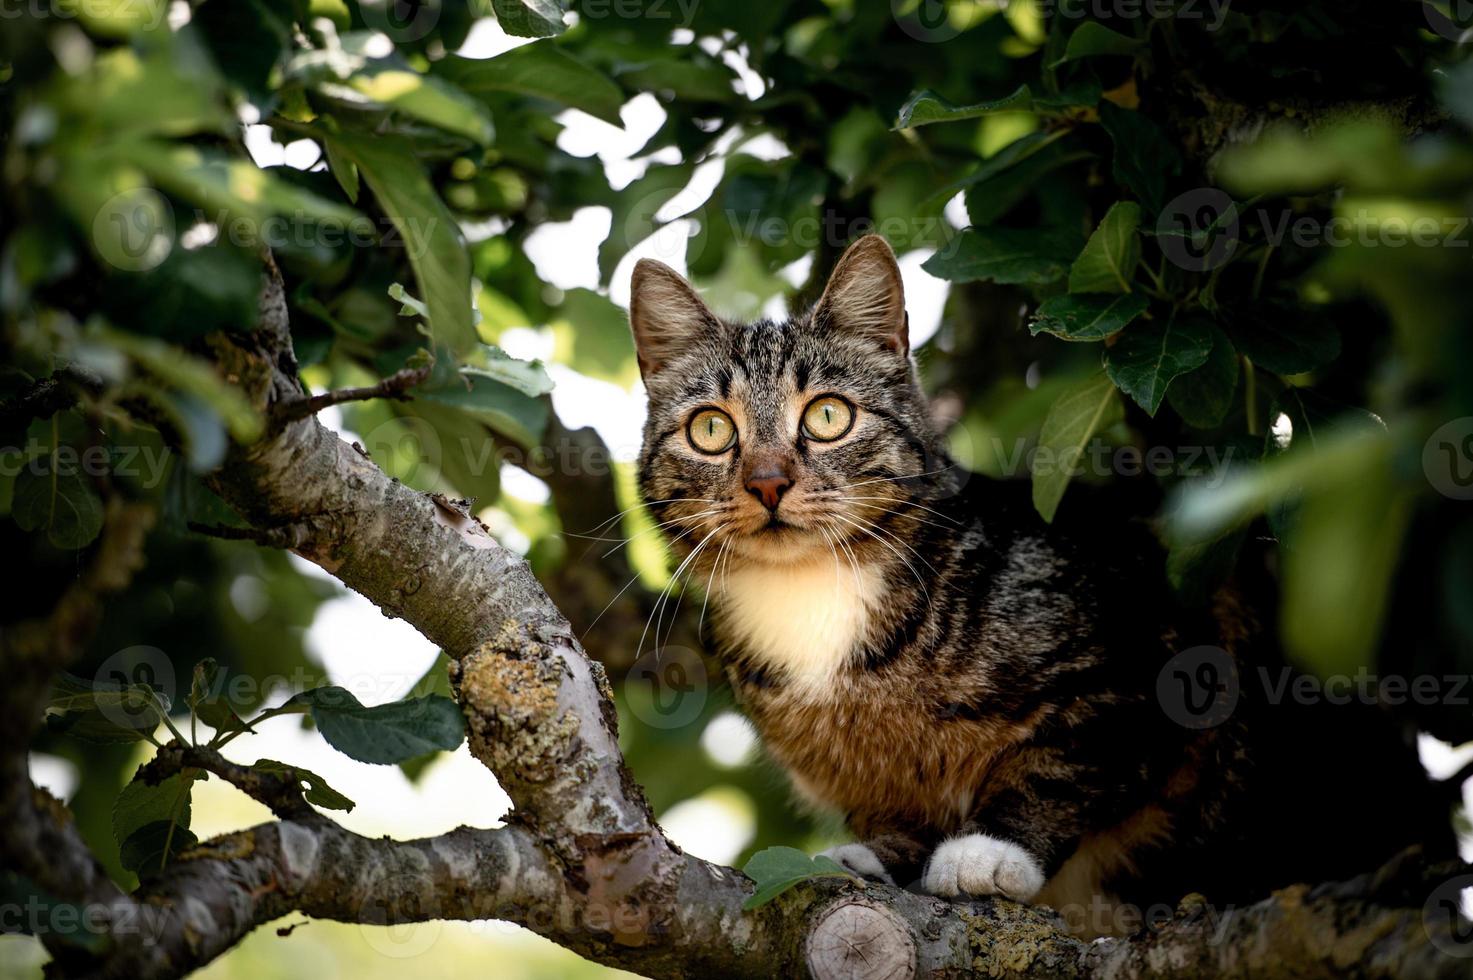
{"x":805,"y":620}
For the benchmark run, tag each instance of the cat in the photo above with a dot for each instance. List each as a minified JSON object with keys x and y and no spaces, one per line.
{"x":975,"y":691}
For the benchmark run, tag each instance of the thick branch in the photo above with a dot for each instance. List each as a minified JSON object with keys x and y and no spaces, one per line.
{"x":583,"y":860}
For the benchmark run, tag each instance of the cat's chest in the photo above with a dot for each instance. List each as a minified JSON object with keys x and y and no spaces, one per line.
{"x":804,"y":622}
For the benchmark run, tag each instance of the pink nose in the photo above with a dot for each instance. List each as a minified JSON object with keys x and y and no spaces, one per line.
{"x":768,"y":486}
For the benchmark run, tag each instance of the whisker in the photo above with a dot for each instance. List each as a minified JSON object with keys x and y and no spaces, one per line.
{"x":665,"y":592}
{"x":905,"y":561}
{"x":910,"y":503}
{"x":626,"y":588}
{"x":896,"y":479}
{"x":647,"y":503}
{"x":662,"y":525}
{"x":891,"y":511}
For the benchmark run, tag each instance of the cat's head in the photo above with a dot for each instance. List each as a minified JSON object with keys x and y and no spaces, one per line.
{"x":780,"y":440}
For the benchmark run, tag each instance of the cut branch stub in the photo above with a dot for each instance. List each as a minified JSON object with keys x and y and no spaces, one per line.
{"x":857,"y":940}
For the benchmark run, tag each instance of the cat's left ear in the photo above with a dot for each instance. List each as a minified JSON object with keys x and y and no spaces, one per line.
{"x":865,"y":295}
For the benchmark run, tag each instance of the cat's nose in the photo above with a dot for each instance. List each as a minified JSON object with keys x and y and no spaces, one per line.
{"x":768,"y":484}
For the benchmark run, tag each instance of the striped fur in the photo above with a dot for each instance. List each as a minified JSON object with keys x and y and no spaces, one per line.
{"x":923,"y":655}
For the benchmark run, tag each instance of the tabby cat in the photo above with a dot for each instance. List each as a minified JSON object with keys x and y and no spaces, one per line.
{"x":974,"y":690}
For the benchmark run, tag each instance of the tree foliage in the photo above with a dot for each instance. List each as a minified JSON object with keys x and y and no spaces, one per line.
{"x":1232,"y":241}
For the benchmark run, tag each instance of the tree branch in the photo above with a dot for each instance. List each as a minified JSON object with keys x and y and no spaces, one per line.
{"x":582,"y":860}
{"x":395,"y":386}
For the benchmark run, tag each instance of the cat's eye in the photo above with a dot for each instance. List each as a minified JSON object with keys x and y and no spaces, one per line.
{"x":827,"y":418}
{"x":711,"y":431}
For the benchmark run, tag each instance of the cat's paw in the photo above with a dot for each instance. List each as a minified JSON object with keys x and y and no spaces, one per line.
{"x":980,"y":865}
{"x":859,"y":859}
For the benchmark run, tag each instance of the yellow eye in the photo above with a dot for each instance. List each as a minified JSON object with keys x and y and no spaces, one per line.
{"x":711,"y":431}
{"x":827,"y":418}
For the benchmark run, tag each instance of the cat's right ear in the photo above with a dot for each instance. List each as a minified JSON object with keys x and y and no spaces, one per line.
{"x":666,"y":315}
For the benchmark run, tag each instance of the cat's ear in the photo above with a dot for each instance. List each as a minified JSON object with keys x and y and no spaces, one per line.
{"x":865,"y":295}
{"x":666,"y":315}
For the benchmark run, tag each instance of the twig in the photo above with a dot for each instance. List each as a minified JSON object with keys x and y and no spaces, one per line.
{"x":288,"y":537}
{"x":280,"y":791}
{"x":48,"y":396}
{"x":395,"y":386}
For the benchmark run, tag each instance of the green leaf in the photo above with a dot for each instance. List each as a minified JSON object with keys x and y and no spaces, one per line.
{"x":592,"y":337}
{"x":1145,"y":359}
{"x":543,"y":70}
{"x":215,"y":180}
{"x":189,"y":374}
{"x":506,"y":410}
{"x":386,"y":733}
{"x":1086,"y":316}
{"x":206,"y":702}
{"x":61,"y":503}
{"x":314,"y":787}
{"x":528,"y":377}
{"x":926,"y":107}
{"x":1007,"y":177}
{"x":1204,"y":396}
{"x":634,"y":209}
{"x":1024,"y":256}
{"x":151,"y":822}
{"x":1338,"y":566}
{"x":1092,"y":39}
{"x":1075,"y":417}
{"x":1196,"y":570}
{"x":430,"y":99}
{"x":1286,"y":340}
{"x":1108,"y":261}
{"x":431,"y":237}
{"x":777,"y":869}
{"x":699,"y":79}
{"x":529,"y":18}
{"x":103,"y":712}
{"x":1144,"y":157}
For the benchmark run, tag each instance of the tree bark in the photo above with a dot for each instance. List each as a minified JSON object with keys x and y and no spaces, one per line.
{"x":581,"y":859}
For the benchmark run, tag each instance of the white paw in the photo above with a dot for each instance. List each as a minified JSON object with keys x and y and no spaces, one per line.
{"x":859,"y":859}
{"x":980,"y":865}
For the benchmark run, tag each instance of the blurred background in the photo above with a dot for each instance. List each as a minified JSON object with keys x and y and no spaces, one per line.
{"x":1278,"y":200}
